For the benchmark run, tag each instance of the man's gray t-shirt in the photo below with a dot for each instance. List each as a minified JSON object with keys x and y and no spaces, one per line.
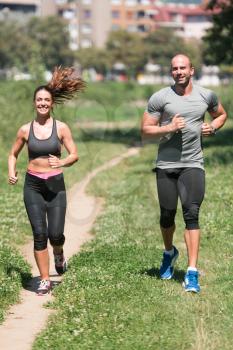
{"x":183,"y":148}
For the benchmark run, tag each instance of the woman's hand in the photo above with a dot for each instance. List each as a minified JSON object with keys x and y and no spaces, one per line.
{"x":55,"y":162}
{"x":13,"y":179}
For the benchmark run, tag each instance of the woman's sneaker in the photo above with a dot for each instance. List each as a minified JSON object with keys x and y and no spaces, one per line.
{"x":166,"y":270}
{"x":60,"y":263}
{"x":191,"y":282}
{"x":44,"y":287}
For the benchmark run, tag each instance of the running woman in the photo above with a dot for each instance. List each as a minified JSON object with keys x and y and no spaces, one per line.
{"x":176,"y":114}
{"x":44,"y":188}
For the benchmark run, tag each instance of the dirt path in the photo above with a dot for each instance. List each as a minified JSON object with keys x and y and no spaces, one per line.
{"x":28,"y":318}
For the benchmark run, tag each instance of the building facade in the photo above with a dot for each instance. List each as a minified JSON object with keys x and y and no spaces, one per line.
{"x":136,"y":16}
{"x":23,"y":9}
{"x":91,"y":21}
{"x":95,"y":19}
{"x":94,"y":22}
{"x":187,"y":20}
{"x":69,"y":11}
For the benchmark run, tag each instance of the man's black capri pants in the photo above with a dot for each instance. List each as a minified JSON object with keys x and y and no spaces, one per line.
{"x":186,"y":183}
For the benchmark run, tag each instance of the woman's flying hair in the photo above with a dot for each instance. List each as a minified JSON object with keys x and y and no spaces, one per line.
{"x":64,"y":84}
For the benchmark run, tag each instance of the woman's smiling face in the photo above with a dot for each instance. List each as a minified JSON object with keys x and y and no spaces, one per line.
{"x":43,"y":102}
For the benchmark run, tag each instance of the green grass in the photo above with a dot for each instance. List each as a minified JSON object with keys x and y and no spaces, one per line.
{"x":94,"y":149}
{"x":15,"y":228}
{"x":112,"y":298}
{"x":14,"y":273}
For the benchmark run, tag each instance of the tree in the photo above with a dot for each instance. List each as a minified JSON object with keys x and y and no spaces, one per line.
{"x":52,"y":36}
{"x":219,"y":38}
{"x":163,"y":44}
{"x":127,"y":48}
{"x":33,"y":46}
{"x":94,"y":58}
{"x":14,"y":45}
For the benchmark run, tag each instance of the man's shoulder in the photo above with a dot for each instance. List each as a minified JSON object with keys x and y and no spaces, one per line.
{"x":162,"y":92}
{"x":207,"y":95}
{"x":203,"y":90}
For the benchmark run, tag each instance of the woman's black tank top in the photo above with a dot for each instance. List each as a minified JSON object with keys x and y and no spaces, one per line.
{"x":42,"y":148}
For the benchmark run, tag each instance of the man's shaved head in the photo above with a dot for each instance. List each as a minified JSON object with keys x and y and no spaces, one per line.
{"x":181,"y":58}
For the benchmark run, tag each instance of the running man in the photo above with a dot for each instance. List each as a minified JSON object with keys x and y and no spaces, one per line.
{"x":176,"y":114}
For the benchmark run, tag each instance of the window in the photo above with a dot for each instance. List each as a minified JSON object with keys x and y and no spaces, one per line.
{"x":115,"y":27}
{"x":86,"y":28}
{"x":69,"y":14}
{"x":132,"y":28}
{"x":73,"y":45}
{"x":87,"y":2}
{"x":85,"y":43}
{"x":130,"y":2}
{"x":141,"y":28}
{"x":73,"y":31}
{"x":144,"y":2}
{"x":116,"y":2}
{"x":197,"y":19}
{"x":140,"y":14}
{"x":176,"y":17}
{"x":61,"y":2}
{"x":130,"y":15}
{"x":115,"y":14}
{"x":87,"y":14}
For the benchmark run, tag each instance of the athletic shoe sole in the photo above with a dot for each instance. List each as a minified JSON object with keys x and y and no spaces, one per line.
{"x":194,"y":290}
{"x":61,"y":269}
{"x":40,"y":294}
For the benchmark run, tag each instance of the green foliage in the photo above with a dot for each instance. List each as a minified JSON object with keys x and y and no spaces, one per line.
{"x":52,"y":36}
{"x":127,"y":48}
{"x":163,"y":44}
{"x":225,"y":94}
{"x":42,"y":43}
{"x":39,"y":43}
{"x":94,"y":58}
{"x":14,"y":45}
{"x":13,"y":273}
{"x":36,"y":68}
{"x":16,"y":108}
{"x":219,"y":38}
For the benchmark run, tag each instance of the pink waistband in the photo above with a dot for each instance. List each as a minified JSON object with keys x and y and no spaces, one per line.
{"x":44,"y":175}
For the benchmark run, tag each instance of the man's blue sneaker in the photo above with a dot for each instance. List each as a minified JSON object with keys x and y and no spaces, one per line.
{"x":191,"y":282}
{"x":167,"y":267}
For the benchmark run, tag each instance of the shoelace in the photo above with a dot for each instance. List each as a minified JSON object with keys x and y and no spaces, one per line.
{"x":43,"y":284}
{"x":192,"y":278}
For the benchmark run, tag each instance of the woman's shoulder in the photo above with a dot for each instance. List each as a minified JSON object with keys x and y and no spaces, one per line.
{"x":24,"y":129}
{"x":61,"y":125}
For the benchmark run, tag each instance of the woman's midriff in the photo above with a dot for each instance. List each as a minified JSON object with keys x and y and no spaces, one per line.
{"x":40,"y":165}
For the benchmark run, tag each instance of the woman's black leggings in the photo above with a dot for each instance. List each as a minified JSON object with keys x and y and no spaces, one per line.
{"x":45,"y":202}
{"x":186,"y":183}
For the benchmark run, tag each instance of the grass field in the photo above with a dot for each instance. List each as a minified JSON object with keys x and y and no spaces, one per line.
{"x":111,"y":297}
{"x":94,"y":149}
